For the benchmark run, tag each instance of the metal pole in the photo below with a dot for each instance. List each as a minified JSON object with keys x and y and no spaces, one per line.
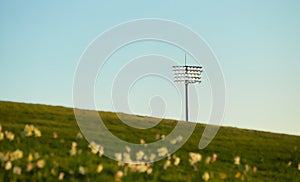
{"x":186,"y":103}
{"x":186,"y":93}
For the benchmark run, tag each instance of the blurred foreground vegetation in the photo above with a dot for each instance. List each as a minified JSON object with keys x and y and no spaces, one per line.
{"x":55,"y":150}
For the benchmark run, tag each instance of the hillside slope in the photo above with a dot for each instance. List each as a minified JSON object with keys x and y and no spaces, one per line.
{"x":59,"y":152}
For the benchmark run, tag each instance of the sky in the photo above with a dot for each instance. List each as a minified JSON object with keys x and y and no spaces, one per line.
{"x":256,"y":42}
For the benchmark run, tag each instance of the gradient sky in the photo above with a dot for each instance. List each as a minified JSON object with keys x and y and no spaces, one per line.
{"x":257,"y":44}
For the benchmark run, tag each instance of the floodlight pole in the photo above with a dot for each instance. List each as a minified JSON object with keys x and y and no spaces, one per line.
{"x":186,"y":94}
{"x":187,"y":75}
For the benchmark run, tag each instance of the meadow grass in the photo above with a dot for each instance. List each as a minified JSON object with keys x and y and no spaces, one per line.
{"x":263,"y":156}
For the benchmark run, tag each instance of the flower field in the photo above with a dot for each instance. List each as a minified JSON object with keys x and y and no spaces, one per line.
{"x":44,"y":143}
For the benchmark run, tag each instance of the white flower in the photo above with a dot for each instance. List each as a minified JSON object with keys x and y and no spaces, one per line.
{"x":119,"y":174}
{"x":82,"y":170}
{"x":176,"y":161}
{"x":207,"y":160}
{"x":126,"y":157}
{"x":17,"y":154}
{"x":101,"y":151}
{"x":3,"y":157}
{"x":121,"y":163}
{"x":214,"y":157}
{"x":8,"y":165}
{"x":145,"y":157}
{"x":30,"y":158}
{"x":9,"y":135}
{"x":157,"y":136}
{"x":99,"y":168}
{"x":247,"y":168}
{"x":61,"y":176}
{"x":205,"y":176}
{"x":152,"y":157}
{"x":139,"y":155}
{"x":28,"y":130}
{"x":179,"y":138}
{"x":73,"y":150}
{"x":162,"y":151}
{"x":74,"y":145}
{"x":128,"y":149}
{"x":194,"y":158}
{"x":54,"y":135}
{"x":29,"y":167}
{"x":176,"y":140}
{"x":95,"y":148}
{"x":149,"y":170}
{"x":37,"y":132}
{"x":118,"y":156}
{"x":237,"y":160}
{"x":40,"y":163}
{"x":167,"y":164}
{"x":142,"y":168}
{"x":17,"y":170}
{"x":79,"y":135}
{"x":173,"y":141}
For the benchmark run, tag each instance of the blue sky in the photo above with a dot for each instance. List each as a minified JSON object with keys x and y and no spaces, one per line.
{"x":257,"y":44}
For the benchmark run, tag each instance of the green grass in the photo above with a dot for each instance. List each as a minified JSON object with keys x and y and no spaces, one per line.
{"x":270,"y":153}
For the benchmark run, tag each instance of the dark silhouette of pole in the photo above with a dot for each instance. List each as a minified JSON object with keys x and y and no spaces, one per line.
{"x":186,"y":103}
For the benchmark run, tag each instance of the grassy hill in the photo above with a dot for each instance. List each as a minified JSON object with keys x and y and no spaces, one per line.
{"x":48,"y":155}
